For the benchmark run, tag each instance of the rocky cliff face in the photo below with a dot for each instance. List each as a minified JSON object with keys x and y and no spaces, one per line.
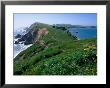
{"x":30,"y":36}
{"x":33,"y":35}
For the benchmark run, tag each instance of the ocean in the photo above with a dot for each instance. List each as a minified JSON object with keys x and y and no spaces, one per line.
{"x":84,"y":33}
{"x":20,"y":47}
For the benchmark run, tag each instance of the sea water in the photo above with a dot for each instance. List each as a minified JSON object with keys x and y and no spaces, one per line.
{"x":19,"y":47}
{"x":84,"y":33}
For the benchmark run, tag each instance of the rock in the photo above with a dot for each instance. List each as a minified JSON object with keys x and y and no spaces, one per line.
{"x":16,"y":42}
{"x":33,"y":35}
{"x":41,"y":33}
{"x":18,"y":36}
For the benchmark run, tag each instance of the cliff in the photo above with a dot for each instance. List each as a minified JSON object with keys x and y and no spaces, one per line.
{"x":55,"y":52}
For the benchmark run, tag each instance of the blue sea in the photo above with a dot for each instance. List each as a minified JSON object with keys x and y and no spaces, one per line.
{"x":84,"y":33}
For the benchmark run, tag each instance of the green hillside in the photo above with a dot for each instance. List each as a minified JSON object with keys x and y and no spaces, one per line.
{"x":61,"y":54}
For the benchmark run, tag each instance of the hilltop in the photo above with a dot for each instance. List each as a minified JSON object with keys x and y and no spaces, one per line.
{"x":55,"y":52}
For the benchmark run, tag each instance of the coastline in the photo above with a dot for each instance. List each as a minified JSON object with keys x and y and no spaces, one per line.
{"x":22,"y":46}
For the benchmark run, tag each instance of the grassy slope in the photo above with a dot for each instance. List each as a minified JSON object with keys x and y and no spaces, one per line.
{"x":63,"y":55}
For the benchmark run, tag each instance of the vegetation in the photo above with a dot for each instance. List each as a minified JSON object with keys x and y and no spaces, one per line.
{"x":62,"y":54}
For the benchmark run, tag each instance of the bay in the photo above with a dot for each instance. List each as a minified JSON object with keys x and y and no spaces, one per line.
{"x":84,"y":33}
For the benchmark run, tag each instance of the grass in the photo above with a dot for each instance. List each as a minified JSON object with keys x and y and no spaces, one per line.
{"x":62,"y":55}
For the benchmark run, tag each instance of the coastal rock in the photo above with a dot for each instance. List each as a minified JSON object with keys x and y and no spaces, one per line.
{"x":33,"y":35}
{"x":18,"y":36}
{"x":16,"y":42}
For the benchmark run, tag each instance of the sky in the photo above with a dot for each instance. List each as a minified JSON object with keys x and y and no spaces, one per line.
{"x":26,"y":19}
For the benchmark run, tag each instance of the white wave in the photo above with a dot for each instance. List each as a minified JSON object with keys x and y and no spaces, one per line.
{"x":21,"y":31}
{"x":20,"y":47}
